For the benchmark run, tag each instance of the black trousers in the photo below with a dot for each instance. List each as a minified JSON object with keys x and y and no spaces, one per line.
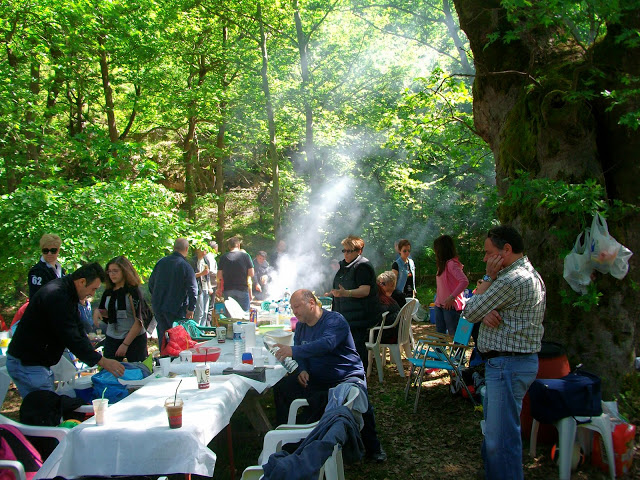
{"x":288,"y":389}
{"x":137,"y":351}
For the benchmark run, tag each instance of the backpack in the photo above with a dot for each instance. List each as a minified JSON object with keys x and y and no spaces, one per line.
{"x":15,"y":446}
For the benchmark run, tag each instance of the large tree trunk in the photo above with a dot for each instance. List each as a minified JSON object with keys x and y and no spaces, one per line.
{"x":520,"y":109}
{"x":273,"y":154}
{"x":303,"y":42}
{"x":220,"y":145}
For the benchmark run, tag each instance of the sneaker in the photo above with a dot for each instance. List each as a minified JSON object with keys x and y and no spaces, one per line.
{"x":379,"y":456}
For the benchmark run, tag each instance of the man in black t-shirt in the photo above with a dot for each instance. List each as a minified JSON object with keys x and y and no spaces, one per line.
{"x":234,"y":269}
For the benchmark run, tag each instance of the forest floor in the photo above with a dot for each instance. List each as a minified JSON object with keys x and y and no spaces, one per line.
{"x":440,"y":441}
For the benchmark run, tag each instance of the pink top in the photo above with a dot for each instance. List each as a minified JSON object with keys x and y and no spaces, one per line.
{"x":452,"y":281}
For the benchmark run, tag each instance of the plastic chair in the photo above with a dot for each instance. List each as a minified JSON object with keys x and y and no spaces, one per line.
{"x":438,"y":352}
{"x":15,"y":466}
{"x":374,"y":348}
{"x":5,"y":382}
{"x":567,"y":429}
{"x":333,"y":468}
{"x":405,"y":339}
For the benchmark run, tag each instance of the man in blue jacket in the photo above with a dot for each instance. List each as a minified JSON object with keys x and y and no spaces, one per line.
{"x":173,"y":288}
{"x":326,"y":356}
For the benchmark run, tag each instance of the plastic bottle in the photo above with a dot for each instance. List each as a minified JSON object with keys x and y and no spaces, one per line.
{"x":286,"y":296}
{"x":238,"y":343}
{"x":273,"y":312}
{"x":281,"y":312}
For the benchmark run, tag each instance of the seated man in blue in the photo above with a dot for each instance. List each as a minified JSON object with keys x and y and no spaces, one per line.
{"x":326,"y":356}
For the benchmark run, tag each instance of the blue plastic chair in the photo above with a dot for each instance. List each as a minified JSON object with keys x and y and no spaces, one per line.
{"x":440,"y":352}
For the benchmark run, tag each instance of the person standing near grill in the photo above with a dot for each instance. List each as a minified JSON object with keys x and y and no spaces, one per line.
{"x":234,"y":270}
{"x":510,"y":303}
{"x":47,"y":268}
{"x":355,"y":293}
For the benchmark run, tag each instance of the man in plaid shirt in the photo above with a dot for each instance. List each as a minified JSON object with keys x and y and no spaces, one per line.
{"x":510,"y":303}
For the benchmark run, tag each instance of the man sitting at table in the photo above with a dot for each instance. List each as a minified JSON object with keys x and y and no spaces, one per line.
{"x":326,"y":356}
{"x":50,"y":324}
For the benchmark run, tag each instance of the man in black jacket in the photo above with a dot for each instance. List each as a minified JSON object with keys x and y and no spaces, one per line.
{"x":50,"y":324}
{"x":173,"y":288}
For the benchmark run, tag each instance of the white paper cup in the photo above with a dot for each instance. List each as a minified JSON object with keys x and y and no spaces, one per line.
{"x":165,"y":364}
{"x":202,"y":376}
{"x":258,"y":361}
{"x":100,"y":406}
{"x":186,"y":356}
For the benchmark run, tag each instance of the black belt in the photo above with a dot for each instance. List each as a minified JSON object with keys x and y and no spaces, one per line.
{"x":494,"y":354}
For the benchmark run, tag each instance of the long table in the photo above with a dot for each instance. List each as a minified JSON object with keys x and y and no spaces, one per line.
{"x":137,"y":439}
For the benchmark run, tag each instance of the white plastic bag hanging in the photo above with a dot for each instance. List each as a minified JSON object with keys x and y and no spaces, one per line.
{"x":607,"y":254}
{"x":577,"y":265}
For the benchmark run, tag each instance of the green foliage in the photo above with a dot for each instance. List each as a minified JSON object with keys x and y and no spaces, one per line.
{"x":629,"y":397}
{"x":586,"y":302}
{"x":96,"y":223}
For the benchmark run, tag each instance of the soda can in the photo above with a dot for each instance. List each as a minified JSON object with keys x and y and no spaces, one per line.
{"x":253,"y":315}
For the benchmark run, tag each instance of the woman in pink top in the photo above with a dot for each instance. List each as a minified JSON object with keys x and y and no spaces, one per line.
{"x":451,"y":282}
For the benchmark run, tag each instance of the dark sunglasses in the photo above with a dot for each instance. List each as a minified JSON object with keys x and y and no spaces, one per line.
{"x":348,"y":251}
{"x":47,"y":250}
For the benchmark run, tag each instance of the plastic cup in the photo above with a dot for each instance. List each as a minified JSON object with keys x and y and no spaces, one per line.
{"x":165,"y":364}
{"x":202,"y":376}
{"x":186,"y":356}
{"x":258,"y":361}
{"x":173,"y":407}
{"x":100,"y":406}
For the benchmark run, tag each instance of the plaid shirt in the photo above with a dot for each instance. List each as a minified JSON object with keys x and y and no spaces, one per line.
{"x":519,"y":295}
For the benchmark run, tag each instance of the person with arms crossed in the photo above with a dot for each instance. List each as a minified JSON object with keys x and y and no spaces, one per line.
{"x":50,"y":324}
{"x":173,"y":288}
{"x":47,"y":268}
{"x":510,"y":303}
{"x":326,"y":356}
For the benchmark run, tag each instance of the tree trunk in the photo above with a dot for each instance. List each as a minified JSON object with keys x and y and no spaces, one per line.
{"x":31,"y":134}
{"x":220,"y":145}
{"x":108,"y":93}
{"x":273,"y":154}
{"x":303,"y":43}
{"x":530,"y":125}
{"x":453,"y":30}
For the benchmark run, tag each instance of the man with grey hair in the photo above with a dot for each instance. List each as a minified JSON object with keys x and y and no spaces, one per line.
{"x":173,"y":288}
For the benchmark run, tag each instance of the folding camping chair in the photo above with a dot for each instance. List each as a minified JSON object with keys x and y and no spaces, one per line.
{"x":437,"y":352}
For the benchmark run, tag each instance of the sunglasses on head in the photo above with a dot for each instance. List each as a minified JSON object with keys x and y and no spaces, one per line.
{"x":348,"y":251}
{"x":47,"y":250}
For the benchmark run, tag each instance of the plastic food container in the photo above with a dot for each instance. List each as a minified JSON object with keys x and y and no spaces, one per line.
{"x":200,"y":354}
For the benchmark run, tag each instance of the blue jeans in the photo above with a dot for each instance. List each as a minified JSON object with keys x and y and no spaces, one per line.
{"x":507,"y":380}
{"x":29,"y":378}
{"x":240,"y":296}
{"x":446,"y":320}
{"x":202,"y":308}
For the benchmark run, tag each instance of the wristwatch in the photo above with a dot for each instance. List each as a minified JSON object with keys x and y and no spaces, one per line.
{"x":487,"y":278}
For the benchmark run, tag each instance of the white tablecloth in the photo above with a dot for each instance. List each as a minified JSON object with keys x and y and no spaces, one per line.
{"x":137,"y":439}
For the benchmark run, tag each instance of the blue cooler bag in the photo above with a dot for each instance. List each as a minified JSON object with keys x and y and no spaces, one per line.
{"x":115,"y":391}
{"x":576,"y":395}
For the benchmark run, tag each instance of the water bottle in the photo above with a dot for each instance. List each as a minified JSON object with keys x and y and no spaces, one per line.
{"x":281,"y":312}
{"x":273,"y":312}
{"x":238,"y":343}
{"x":286,"y":296}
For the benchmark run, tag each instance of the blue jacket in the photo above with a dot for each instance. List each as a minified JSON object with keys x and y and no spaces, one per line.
{"x":337,"y":426}
{"x":173,"y":286}
{"x":403,"y":274}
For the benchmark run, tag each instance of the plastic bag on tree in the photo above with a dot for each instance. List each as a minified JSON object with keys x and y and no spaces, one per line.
{"x":607,"y":254}
{"x":577,"y":265}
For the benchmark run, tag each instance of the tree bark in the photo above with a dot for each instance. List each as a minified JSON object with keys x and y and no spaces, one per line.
{"x":453,"y":30}
{"x":220,"y":145}
{"x":273,"y":154}
{"x":108,"y":92}
{"x":521,"y":109}
{"x":303,"y":42}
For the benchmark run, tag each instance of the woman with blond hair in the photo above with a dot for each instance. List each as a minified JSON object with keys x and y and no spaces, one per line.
{"x":47,"y":268}
{"x":121,"y":308}
{"x":450,"y":283}
{"x":355,"y":293}
{"x":391,"y":300}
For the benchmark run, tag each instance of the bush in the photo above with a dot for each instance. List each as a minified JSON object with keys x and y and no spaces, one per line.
{"x":96,"y":223}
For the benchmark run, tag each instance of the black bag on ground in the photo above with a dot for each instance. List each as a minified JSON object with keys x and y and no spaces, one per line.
{"x":577,"y":394}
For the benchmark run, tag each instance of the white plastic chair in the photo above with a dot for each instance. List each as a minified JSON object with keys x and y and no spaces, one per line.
{"x":5,"y":382}
{"x":333,"y":468}
{"x":15,"y":466}
{"x":374,"y":350}
{"x":36,"y":431}
{"x":567,"y":429}
{"x":403,"y":321}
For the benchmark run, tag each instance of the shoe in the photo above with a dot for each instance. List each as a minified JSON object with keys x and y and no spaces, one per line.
{"x":379,"y":456}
